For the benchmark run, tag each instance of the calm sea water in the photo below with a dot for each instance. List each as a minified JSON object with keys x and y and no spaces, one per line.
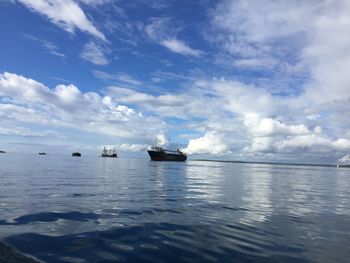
{"x":90,"y":209}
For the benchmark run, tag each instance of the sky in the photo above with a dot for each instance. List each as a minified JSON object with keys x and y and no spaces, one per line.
{"x":234,"y":80}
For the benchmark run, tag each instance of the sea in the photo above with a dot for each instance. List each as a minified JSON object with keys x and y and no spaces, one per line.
{"x":91,"y":209}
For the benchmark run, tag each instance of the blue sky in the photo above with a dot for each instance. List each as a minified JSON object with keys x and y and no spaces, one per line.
{"x":247,"y":80}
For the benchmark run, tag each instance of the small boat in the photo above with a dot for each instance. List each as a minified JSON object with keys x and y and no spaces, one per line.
{"x":2,"y":152}
{"x":159,"y":154}
{"x":109,"y":153}
{"x":77,"y":154}
{"x":42,"y":153}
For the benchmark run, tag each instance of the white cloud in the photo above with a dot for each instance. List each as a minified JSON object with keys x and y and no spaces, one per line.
{"x":133,"y":147}
{"x":345,"y":159}
{"x":312,"y":143}
{"x":162,"y":31}
{"x":249,"y":118}
{"x":95,"y":54}
{"x":157,"y":4}
{"x":307,"y":39}
{"x":68,"y":94}
{"x":290,"y":35}
{"x":250,"y":30}
{"x":16,"y":86}
{"x":300,"y":144}
{"x":64,"y":13}
{"x":239,"y":97}
{"x":255,"y":63}
{"x":117,"y":77}
{"x":96,"y":2}
{"x":25,"y":132}
{"x":210,"y":143}
{"x":273,"y":136}
{"x":128,"y":79}
{"x":313,"y":117}
{"x":29,"y":101}
{"x":235,"y":118}
{"x":180,"y":105}
{"x":49,"y":46}
{"x":288,"y":39}
{"x":180,"y":47}
{"x":271,"y":127}
{"x":52,"y":49}
{"x":206,"y":98}
{"x":159,"y":28}
{"x":260,"y":145}
{"x":161,"y":139}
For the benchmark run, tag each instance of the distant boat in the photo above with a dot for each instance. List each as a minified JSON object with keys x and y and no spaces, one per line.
{"x":42,"y":153}
{"x":159,"y":154}
{"x":77,"y":154}
{"x":109,"y":153}
{"x":2,"y":152}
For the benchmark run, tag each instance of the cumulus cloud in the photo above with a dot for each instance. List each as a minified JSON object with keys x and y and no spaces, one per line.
{"x":307,"y":40}
{"x":301,"y":144}
{"x":312,"y":143}
{"x":161,"y":139}
{"x":273,"y":136}
{"x":233,"y":117}
{"x":289,"y":39}
{"x":243,"y":114}
{"x":210,"y":143}
{"x":310,"y":116}
{"x":237,"y":97}
{"x":66,"y":14}
{"x":95,"y":53}
{"x":271,"y":127}
{"x":29,"y":101}
{"x":16,"y":87}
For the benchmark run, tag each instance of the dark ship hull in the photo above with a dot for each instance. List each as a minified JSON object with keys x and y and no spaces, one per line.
{"x":167,"y":156}
{"x":114,"y":155}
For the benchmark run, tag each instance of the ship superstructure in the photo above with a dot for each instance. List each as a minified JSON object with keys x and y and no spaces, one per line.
{"x":109,"y":153}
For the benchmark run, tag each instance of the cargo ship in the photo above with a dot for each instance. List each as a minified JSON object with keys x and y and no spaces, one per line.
{"x":109,"y":153}
{"x":159,"y":154}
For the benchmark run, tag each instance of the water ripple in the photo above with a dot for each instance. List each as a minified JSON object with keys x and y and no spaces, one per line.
{"x":90,"y":210}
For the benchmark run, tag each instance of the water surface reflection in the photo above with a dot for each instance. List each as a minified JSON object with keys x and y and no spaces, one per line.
{"x":62,"y":209}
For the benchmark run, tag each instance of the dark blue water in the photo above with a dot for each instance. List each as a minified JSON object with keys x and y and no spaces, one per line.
{"x":90,"y":209}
